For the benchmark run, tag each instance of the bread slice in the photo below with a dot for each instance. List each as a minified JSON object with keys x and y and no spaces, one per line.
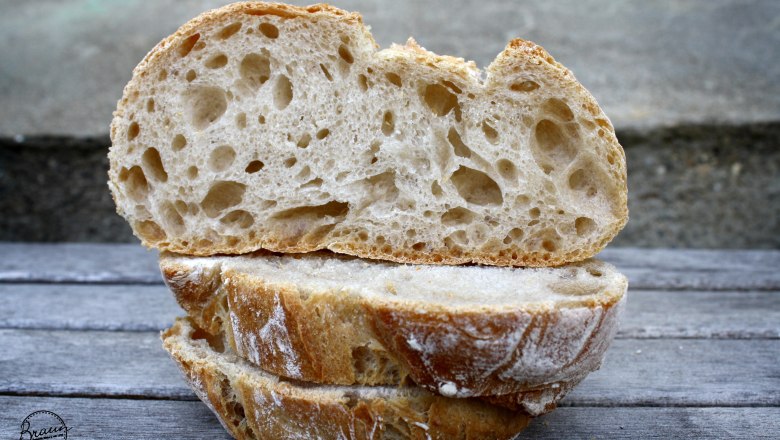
{"x":267,"y":126}
{"x":252,"y":404}
{"x":526,"y":335}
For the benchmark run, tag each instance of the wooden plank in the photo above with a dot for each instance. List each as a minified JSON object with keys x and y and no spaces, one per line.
{"x":87,"y":307}
{"x":150,"y":419}
{"x":116,"y":418}
{"x":649,"y":314}
{"x":636,"y":372}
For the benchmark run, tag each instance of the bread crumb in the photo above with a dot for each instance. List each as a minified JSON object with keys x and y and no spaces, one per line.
{"x":448,"y":389}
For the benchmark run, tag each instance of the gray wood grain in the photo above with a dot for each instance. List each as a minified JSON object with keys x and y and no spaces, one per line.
{"x":87,"y":307}
{"x":649,"y":314}
{"x":635,"y":372}
{"x":645,"y":268}
{"x":147,"y":420}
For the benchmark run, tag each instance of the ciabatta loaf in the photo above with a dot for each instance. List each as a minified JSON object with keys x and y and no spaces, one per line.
{"x":252,"y":404}
{"x":527,"y":335}
{"x":267,"y":126}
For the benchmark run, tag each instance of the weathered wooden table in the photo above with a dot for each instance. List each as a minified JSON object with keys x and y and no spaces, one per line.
{"x":697,"y":356}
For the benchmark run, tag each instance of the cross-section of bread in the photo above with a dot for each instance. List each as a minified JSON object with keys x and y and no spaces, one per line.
{"x":526,"y":334}
{"x":252,"y":404}
{"x":267,"y":126}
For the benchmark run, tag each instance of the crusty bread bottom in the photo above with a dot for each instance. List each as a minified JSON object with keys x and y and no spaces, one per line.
{"x":525,"y":337}
{"x":252,"y":404}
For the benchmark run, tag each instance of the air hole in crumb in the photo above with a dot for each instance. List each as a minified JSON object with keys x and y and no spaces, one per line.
{"x":150,"y":105}
{"x":558,"y":109}
{"x":206,"y":105}
{"x":254,"y":166}
{"x":419,"y":246}
{"x":322,"y":134}
{"x":192,"y":172}
{"x":490,"y":133}
{"x":440,"y":100}
{"x":388,"y":123}
{"x":553,"y":148}
{"x":584,"y":226}
{"x":191,"y":75}
{"x":326,"y":72}
{"x":238,"y":218}
{"x":153,"y":164}
{"x":436,"y":189}
{"x":261,"y":119}
{"x":514,"y":235}
{"x":507,"y":169}
{"x":451,"y":85}
{"x":269,"y":30}
{"x":255,"y":69}
{"x":241,"y":121}
{"x":172,"y":218}
{"x":595,"y":272}
{"x":289,"y":163}
{"x":362,"y":82}
{"x":394,"y":79}
{"x":150,"y":231}
{"x":457,"y":143}
{"x":222,"y":158}
{"x":476,"y":187}
{"x":229,"y":30}
{"x":534,"y":212}
{"x":304,"y":140}
{"x":221,"y":196}
{"x":458,"y":216}
{"x":178,"y":142}
{"x":283,"y":92}
{"x":186,"y":46}
{"x":134,"y":182}
{"x":525,"y":86}
{"x":217,"y":61}
{"x":132,"y":131}
{"x":345,"y":54}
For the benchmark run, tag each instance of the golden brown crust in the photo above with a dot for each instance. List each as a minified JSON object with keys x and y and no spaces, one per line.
{"x":530,"y":357}
{"x":254,"y":405}
{"x":519,"y":54}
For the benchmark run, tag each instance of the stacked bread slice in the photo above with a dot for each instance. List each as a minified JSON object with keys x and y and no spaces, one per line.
{"x":370,"y":243}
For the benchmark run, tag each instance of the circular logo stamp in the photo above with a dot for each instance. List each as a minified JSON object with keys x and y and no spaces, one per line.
{"x":42,"y":425}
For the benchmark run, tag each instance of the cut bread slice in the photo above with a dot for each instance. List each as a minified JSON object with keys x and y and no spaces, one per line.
{"x":523,"y":336}
{"x":252,"y":404}
{"x":267,"y":126}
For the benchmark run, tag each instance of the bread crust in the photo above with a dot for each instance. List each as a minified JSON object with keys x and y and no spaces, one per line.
{"x":518,"y":55}
{"x":255,"y":405}
{"x":526,"y":358}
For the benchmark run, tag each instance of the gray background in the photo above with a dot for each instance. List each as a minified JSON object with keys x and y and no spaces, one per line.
{"x":693,"y":88}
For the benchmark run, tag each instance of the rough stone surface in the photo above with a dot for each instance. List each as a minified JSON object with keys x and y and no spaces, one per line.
{"x":648,"y":63}
{"x":691,"y":186}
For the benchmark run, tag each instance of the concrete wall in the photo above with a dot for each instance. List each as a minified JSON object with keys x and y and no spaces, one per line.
{"x":693,"y":88}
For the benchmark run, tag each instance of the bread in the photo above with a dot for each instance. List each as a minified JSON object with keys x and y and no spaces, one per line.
{"x":252,"y":404}
{"x":267,"y":126}
{"x":527,"y":335}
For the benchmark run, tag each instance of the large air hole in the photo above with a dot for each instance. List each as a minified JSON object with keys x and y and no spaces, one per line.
{"x":186,"y":46}
{"x":394,"y":79}
{"x":217,"y":61}
{"x":584,"y":226}
{"x":558,"y":109}
{"x":269,"y":30}
{"x":490,"y":133}
{"x":190,"y":76}
{"x":238,"y":218}
{"x":457,"y":143}
{"x":331,"y":209}
{"x":304,"y":140}
{"x":476,"y":187}
{"x":345,"y":54}
{"x":221,"y":158}
{"x":581,"y":180}
{"x":322,"y":134}
{"x":132,"y":131}
{"x":205,"y":105}
{"x":514,"y":236}
{"x":381,"y":188}
{"x":524,"y":86}
{"x":149,"y":231}
{"x":255,"y":69}
{"x":153,"y":164}
{"x":135,"y":184}
{"x":283,"y":92}
{"x":229,"y":30}
{"x":553,"y":148}
{"x":507,"y":169}
{"x":221,"y":196}
{"x":173,"y":220}
{"x":388,"y":123}
{"x":254,"y":167}
{"x":458,"y":217}
{"x":440,"y":100}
